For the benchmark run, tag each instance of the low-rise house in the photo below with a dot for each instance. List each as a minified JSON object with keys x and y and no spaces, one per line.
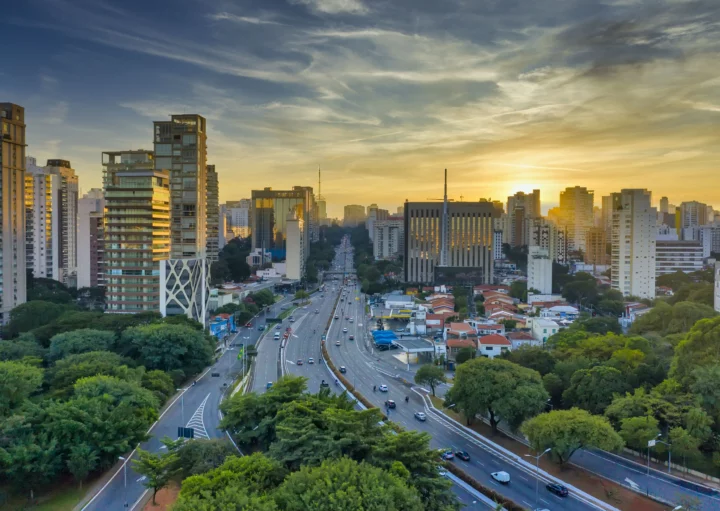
{"x":488,"y":329}
{"x":542,"y":329}
{"x":493,"y":345}
{"x":519,"y":339}
{"x":459,"y":331}
{"x":560,"y":312}
{"x":434,"y":323}
{"x":453,"y":346}
{"x":484,"y":288}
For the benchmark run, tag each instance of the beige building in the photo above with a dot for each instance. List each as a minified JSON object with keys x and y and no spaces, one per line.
{"x":13,"y":283}
{"x":181,"y":147}
{"x":596,"y":246}
{"x":295,"y":260}
{"x":213,"y":215}
{"x":354,"y":215}
{"x":90,"y":247}
{"x":137,"y":230}
{"x":576,"y":213}
{"x":521,"y":207}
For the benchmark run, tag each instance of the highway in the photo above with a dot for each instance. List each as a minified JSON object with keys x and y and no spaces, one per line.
{"x":196,"y":407}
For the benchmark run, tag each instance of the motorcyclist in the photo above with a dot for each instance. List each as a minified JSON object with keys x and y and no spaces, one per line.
{"x":407,"y":399}
{"x":337,"y":382}
{"x":374,"y":388}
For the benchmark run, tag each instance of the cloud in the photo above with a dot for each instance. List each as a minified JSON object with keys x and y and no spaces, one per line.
{"x":334,"y":6}
{"x":224,"y":16}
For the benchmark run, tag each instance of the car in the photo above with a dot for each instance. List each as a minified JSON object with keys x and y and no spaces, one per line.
{"x":351,"y":337}
{"x":442,"y":472}
{"x":337,"y":317}
{"x":277,"y":327}
{"x":300,"y":362}
{"x":447,"y":455}
{"x":343,"y":369}
{"x":383,"y":388}
{"x":350,"y":320}
{"x":501,"y":477}
{"x":261,"y":327}
{"x":337,"y":343}
{"x":311,"y":360}
{"x":347,"y":317}
{"x":324,"y":384}
{"x":393,"y":346}
{"x":557,"y":489}
{"x":390,"y":403}
{"x":382,"y":347}
{"x":292,"y":320}
{"x":421,"y":416}
{"x":462,"y":455}
{"x":344,"y":330}
{"x":248,"y":324}
{"x":317,"y":311}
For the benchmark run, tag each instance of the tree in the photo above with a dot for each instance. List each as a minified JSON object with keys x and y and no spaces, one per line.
{"x":555,"y":387}
{"x":82,"y":460}
{"x":642,"y":403}
{"x":706,"y":385}
{"x":666,"y":319}
{"x":698,"y":424}
{"x":510,"y":324}
{"x":20,"y":348}
{"x":698,"y":349}
{"x":464,"y":355}
{"x":30,"y":315}
{"x":17,"y":382}
{"x":566,"y":431}
{"x":638,"y":431}
{"x":532,"y":357}
{"x":70,"y":369}
{"x":430,"y":375}
{"x":80,"y":341}
{"x":593,"y":389}
{"x":518,"y":289}
{"x":169,"y":347}
{"x":684,"y":444}
{"x":614,"y":307}
{"x":581,"y":289}
{"x":159,"y":383}
{"x":199,"y":456}
{"x":157,"y":468}
{"x":499,"y":388}
{"x":302,"y":295}
{"x":219,"y":272}
{"x":356,"y":485}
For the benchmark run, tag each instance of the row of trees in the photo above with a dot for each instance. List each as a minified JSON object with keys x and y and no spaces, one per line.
{"x":232,"y":262}
{"x":374,"y":276}
{"x":72,"y":402}
{"x":321,"y":451}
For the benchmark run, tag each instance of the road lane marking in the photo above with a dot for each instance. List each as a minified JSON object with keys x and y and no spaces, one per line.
{"x":197,"y":421}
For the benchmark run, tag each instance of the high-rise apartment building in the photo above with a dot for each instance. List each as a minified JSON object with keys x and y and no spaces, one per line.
{"x":240,"y":217}
{"x":469,"y":242}
{"x":13,"y":285}
{"x":354,"y":215}
{"x":137,"y":230}
{"x":672,"y":256}
{"x":633,"y":243}
{"x":607,"y":213}
{"x":551,"y":237}
{"x":539,"y":270}
{"x":576,"y":213}
{"x":388,"y":237}
{"x":269,"y":213}
{"x":374,"y":214}
{"x":520,"y":207}
{"x":716,"y":294}
{"x":181,"y":147}
{"x":295,"y":261}
{"x":51,"y":209}
{"x":693,"y":214}
{"x":222,"y":226}
{"x":596,"y":246}
{"x":91,"y":239}
{"x":213,"y":214}
{"x":664,"y":205}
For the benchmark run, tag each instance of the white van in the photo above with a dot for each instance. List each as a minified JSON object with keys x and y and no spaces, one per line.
{"x":277,"y":336}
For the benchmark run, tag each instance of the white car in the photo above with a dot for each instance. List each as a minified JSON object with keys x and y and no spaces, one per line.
{"x":337,"y":343}
{"x":311,"y":360}
{"x":350,"y":320}
{"x":383,"y":388}
{"x":344,"y":330}
{"x":501,"y":477}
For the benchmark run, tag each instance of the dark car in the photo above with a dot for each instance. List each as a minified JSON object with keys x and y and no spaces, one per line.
{"x":324,"y":384}
{"x":343,"y":370}
{"x":393,"y":346}
{"x":390,"y":403}
{"x":557,"y":489}
{"x":382,"y":347}
{"x":462,"y":455}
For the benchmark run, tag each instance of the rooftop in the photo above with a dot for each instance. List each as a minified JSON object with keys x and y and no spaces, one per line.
{"x":494,"y":340}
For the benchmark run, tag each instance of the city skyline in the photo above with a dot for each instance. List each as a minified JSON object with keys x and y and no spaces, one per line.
{"x":606,"y":95}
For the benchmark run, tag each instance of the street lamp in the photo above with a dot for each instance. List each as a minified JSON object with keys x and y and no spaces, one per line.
{"x":669,"y":446}
{"x":182,"y":406}
{"x":125,"y":477}
{"x":651,"y":443}
{"x":537,"y":472}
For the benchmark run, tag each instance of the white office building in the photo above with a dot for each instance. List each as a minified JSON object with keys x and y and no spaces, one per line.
{"x":388,"y":238}
{"x":633,"y":243}
{"x":539,"y":270}
{"x":673,"y":256}
{"x":294,"y":258}
{"x":240,"y":219}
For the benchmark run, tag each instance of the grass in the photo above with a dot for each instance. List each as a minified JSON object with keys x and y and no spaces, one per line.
{"x":63,"y":497}
{"x":286,"y":313}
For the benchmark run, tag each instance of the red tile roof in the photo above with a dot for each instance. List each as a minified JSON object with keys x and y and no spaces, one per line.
{"x":461,"y":327}
{"x":494,"y":340}
{"x":493,"y":326}
{"x":460,"y":343}
{"x":520,"y":336}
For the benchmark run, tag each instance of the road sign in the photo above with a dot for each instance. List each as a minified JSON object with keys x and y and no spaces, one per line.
{"x":186,"y":432}
{"x":651,"y":443}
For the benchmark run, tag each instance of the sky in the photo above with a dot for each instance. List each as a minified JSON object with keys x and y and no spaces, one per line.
{"x":383,"y":95}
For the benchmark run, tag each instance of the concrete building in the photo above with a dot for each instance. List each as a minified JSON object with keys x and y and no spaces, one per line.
{"x":51,"y":205}
{"x":185,"y":288}
{"x":222,"y":227}
{"x":576,"y":211}
{"x":493,"y":345}
{"x":520,"y":207}
{"x":596,"y":246}
{"x":539,"y":270}
{"x":498,"y":245}
{"x":717,"y":286}
{"x":673,"y":256}
{"x":137,"y":230}
{"x":469,"y":242}
{"x":607,"y":212}
{"x":13,"y":282}
{"x":664,"y":204}
{"x":388,"y":238}
{"x":553,"y":238}
{"x":633,"y":243}
{"x":692,"y":214}
{"x":374,"y":215}
{"x":91,"y":239}
{"x":541,"y":329}
{"x":295,"y":260}
{"x":269,"y":214}
{"x":709,"y":237}
{"x":240,"y":218}
{"x":212,"y":206}
{"x":354,"y":215}
{"x":181,"y":148}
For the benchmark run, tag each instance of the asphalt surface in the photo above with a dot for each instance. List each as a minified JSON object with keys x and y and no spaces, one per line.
{"x":197,"y":407}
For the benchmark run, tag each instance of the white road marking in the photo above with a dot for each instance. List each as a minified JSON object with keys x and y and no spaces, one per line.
{"x":140,"y":479}
{"x":197,"y":422}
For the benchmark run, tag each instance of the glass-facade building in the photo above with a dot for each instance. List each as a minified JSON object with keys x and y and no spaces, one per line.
{"x":137,"y":230}
{"x":270,"y":209}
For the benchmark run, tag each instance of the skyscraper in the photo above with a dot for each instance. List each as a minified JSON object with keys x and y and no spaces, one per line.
{"x":137,"y":230}
{"x":520,"y":207}
{"x":295,"y":262}
{"x":213,"y":213}
{"x":374,"y":215}
{"x":693,"y":214}
{"x":51,"y":205}
{"x":633,"y":243}
{"x":181,"y":147}
{"x":576,"y":213}
{"x":354,"y":215}
{"x":91,"y":239}
{"x":664,"y":205}
{"x":12,"y":209}
{"x":469,"y":242}
{"x":269,"y":214}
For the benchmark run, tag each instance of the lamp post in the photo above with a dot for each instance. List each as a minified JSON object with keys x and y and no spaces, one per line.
{"x":182,"y":406}
{"x":125,"y":478}
{"x":651,"y":443}
{"x":669,"y":446}
{"x":537,"y":472}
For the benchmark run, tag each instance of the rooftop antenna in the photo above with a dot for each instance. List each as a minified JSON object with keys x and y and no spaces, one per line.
{"x":444,"y":228}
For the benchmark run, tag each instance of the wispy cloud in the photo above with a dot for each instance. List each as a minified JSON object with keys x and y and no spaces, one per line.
{"x":225,"y":16}
{"x":57,"y":114}
{"x":335,"y":6}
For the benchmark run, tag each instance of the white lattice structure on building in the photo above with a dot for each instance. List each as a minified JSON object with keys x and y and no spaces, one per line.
{"x":185,"y":288}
